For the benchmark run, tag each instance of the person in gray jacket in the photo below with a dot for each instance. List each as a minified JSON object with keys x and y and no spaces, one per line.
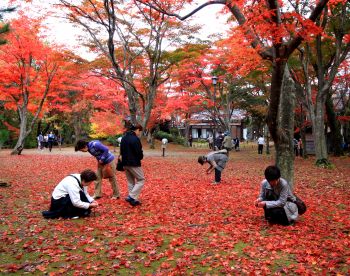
{"x":276,"y":198}
{"x":217,"y":161}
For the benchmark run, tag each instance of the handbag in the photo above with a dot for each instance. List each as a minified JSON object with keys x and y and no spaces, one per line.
{"x":119,"y":166}
{"x":300,"y":204}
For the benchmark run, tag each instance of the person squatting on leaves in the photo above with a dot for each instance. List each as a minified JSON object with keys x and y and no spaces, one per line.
{"x":106,"y":167}
{"x":70,"y":197}
{"x":131,"y":154}
{"x":276,"y":198}
{"x":217,"y":161}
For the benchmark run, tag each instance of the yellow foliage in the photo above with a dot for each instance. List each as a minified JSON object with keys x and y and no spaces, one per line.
{"x":104,"y":124}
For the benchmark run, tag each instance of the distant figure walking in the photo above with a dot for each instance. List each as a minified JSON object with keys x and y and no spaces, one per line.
{"x":261,"y":143}
{"x":300,"y":147}
{"x":50,"y":140}
{"x":164,"y":144}
{"x":40,"y":139}
{"x":227,"y":142}
{"x":211,"y":142}
{"x":190,"y":139}
{"x":236,"y":142}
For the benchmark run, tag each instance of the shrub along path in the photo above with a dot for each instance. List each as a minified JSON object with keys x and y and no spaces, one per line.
{"x":185,"y":225}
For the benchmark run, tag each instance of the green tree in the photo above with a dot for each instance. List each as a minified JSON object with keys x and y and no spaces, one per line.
{"x":5,"y":27}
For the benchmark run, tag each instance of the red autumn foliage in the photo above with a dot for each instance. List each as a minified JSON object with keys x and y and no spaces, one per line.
{"x":184,"y":225}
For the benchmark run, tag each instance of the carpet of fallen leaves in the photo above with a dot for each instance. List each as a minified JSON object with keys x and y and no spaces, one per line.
{"x":185,"y":225}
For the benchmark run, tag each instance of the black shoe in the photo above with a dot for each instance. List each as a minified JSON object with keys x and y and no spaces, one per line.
{"x":132,"y":201}
{"x":129,"y":199}
{"x":49,"y":215}
{"x":135,"y":203}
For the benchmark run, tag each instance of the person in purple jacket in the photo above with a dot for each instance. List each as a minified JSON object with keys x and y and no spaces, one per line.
{"x":104,"y":157}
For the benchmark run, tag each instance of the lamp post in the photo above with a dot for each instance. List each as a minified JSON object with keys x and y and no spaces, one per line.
{"x":214,"y":82}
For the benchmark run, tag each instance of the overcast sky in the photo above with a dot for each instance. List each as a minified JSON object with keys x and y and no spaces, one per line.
{"x":63,"y":33}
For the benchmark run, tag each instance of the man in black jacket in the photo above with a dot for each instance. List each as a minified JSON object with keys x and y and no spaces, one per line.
{"x":131,"y":155}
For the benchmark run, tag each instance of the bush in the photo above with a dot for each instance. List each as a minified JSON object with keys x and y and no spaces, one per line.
{"x":180,"y":140}
{"x":112,"y":140}
{"x":175,"y":132}
{"x":161,"y":134}
{"x":170,"y":136}
{"x":4,"y":136}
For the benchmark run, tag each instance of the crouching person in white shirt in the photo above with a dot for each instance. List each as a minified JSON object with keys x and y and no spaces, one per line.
{"x":70,"y":198}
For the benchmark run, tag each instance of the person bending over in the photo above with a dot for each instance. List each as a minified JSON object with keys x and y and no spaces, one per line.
{"x":217,"y":161}
{"x":276,"y":198}
{"x":104,"y":158}
{"x":70,"y":197}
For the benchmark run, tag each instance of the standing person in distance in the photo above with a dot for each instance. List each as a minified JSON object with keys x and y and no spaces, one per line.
{"x":261,"y":143}
{"x":211,"y":142}
{"x":237,"y":144}
{"x":227,"y":142}
{"x":104,"y":158}
{"x":300,"y":147}
{"x":50,"y":140}
{"x":131,"y":154}
{"x":40,"y":139}
{"x":164,"y":144}
{"x":190,"y":139}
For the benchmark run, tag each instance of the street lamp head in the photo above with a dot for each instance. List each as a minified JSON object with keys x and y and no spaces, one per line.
{"x":214,"y":80}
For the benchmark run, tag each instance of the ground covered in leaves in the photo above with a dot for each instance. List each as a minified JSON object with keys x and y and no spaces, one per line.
{"x":185,"y":225}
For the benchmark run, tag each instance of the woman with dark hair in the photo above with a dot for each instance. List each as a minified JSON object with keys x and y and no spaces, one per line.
{"x":105,"y":160}
{"x":70,"y":197}
{"x":131,"y":154}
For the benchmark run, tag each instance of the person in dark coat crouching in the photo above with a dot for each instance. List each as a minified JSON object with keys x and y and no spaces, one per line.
{"x":70,"y":198}
{"x":131,"y":154}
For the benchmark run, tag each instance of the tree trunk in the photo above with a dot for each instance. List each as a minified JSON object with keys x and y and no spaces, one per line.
{"x":187,"y":133}
{"x":285,"y":147}
{"x":132,"y":102}
{"x":318,"y":129}
{"x":334,"y":125}
{"x":23,"y":133}
{"x":151,"y":139}
{"x":149,"y":105}
{"x":275,"y":95}
{"x":267,"y":139}
{"x":77,"y":124}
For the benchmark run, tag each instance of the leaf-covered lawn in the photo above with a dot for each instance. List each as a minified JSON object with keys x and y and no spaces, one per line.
{"x":185,"y":225}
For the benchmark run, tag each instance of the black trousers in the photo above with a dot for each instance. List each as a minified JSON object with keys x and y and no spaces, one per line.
{"x":50,"y":143}
{"x":260,"y":149}
{"x":64,"y":208}
{"x":276,"y":215}
{"x":217,"y":175}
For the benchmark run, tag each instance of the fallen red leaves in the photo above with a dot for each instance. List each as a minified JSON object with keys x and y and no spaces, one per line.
{"x":184,"y":225}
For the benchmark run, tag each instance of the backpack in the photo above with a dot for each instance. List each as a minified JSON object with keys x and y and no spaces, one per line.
{"x":300,"y":204}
